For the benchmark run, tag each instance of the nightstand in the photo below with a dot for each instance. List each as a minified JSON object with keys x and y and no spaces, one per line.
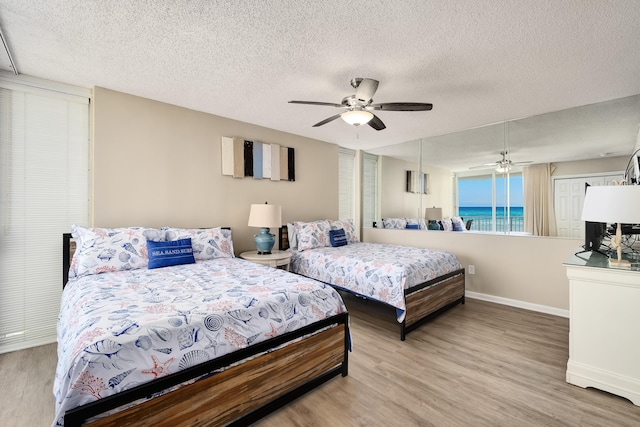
{"x":275,"y":259}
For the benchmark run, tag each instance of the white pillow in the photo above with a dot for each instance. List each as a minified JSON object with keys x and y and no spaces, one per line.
{"x":399,"y":223}
{"x":207,"y":243}
{"x":99,"y":250}
{"x":312,"y":235}
{"x":457,"y":224}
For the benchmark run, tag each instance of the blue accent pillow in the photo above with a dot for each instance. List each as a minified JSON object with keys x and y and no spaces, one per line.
{"x":174,"y":252}
{"x":337,"y":237}
{"x":457,"y":226}
{"x":413,"y":226}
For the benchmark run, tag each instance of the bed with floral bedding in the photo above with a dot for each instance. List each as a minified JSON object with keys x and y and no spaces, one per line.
{"x":153,"y":330}
{"x":419,"y":283}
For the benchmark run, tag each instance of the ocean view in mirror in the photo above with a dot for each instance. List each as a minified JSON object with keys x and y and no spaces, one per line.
{"x":482,"y":218}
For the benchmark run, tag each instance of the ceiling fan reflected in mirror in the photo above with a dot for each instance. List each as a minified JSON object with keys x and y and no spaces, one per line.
{"x":359,"y":106}
{"x":503,"y":165}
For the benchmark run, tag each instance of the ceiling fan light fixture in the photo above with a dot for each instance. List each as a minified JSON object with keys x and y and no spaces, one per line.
{"x":503,"y":168}
{"x":357,"y":117}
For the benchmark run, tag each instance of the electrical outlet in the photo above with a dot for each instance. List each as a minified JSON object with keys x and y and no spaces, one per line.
{"x":472,"y":269}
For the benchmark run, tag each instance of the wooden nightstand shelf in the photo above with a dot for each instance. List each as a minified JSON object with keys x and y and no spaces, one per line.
{"x":274,"y":259}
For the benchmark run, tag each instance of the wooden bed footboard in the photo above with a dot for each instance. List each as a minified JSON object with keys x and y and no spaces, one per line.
{"x":257,"y":381}
{"x":431,"y":298}
{"x":422,"y":302}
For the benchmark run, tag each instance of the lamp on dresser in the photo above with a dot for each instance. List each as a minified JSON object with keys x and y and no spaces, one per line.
{"x":613,"y":204}
{"x":433,"y":215}
{"x":265,"y":216}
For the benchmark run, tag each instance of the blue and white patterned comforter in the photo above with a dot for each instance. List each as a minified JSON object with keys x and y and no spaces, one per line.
{"x":374,"y":270}
{"x":120,"y":329}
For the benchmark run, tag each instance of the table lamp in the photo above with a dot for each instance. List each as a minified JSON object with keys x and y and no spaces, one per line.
{"x":265,"y":216}
{"x":613,"y":204}
{"x":433,"y":215}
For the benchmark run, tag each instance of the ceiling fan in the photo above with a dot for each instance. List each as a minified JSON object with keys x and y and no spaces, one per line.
{"x":358,"y":106}
{"x":503,"y":165}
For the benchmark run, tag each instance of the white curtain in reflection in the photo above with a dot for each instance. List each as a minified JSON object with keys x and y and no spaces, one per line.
{"x":539,"y":217}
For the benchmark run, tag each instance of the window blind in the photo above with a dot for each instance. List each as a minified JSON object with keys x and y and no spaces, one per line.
{"x":44,"y":184}
{"x":369,"y":189}
{"x":347,"y":182}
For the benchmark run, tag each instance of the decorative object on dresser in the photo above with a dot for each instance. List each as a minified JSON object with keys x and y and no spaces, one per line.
{"x":265,"y":216}
{"x":614,"y":204}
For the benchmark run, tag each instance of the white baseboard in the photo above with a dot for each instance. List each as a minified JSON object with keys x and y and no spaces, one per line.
{"x":520,"y":304}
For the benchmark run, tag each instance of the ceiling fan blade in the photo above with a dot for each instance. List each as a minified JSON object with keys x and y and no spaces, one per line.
{"x":325,"y":121}
{"x":329,"y":104}
{"x":522,"y":163}
{"x":402,"y":106}
{"x":366,"y":89}
{"x":376,"y":123}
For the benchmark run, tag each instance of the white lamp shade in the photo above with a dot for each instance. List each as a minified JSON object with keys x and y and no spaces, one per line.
{"x":433,"y":214}
{"x":612,"y":204}
{"x":268,"y":216}
{"x":356,"y":117}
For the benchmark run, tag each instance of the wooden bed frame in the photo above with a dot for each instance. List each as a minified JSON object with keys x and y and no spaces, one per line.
{"x":242,"y":392}
{"x":424,"y":301}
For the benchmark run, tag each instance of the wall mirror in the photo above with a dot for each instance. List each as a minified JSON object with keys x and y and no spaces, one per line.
{"x":580,"y":140}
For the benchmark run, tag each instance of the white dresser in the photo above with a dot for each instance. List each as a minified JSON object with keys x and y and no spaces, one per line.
{"x":604,"y":331}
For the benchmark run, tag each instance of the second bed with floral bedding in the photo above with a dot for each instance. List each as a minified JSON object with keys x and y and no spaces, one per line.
{"x":417,"y":282}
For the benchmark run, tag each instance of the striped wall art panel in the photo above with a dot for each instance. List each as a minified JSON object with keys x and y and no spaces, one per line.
{"x":242,"y":158}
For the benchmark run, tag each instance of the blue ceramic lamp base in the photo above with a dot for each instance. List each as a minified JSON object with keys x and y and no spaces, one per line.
{"x":264,"y":241}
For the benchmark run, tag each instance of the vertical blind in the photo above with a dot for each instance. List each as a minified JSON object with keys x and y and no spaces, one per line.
{"x":346,"y":166}
{"x":369,"y":189}
{"x":44,"y":184}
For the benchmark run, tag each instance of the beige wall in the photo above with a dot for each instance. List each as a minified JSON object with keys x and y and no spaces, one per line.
{"x":441,"y":191}
{"x":593,"y":166}
{"x":396,"y":202}
{"x":156,"y":164}
{"x":525,"y":269}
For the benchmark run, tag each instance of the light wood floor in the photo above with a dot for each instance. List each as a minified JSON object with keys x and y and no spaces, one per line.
{"x":479,"y":364}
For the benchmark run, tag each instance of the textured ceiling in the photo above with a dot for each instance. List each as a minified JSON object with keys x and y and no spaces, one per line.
{"x":478,"y":62}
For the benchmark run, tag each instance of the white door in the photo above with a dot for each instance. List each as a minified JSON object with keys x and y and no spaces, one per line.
{"x":568,"y":200}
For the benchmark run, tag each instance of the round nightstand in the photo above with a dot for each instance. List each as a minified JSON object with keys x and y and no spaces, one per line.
{"x":274,"y":259}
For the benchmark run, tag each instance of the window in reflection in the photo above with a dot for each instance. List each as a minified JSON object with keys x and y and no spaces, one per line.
{"x":492,"y":202}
